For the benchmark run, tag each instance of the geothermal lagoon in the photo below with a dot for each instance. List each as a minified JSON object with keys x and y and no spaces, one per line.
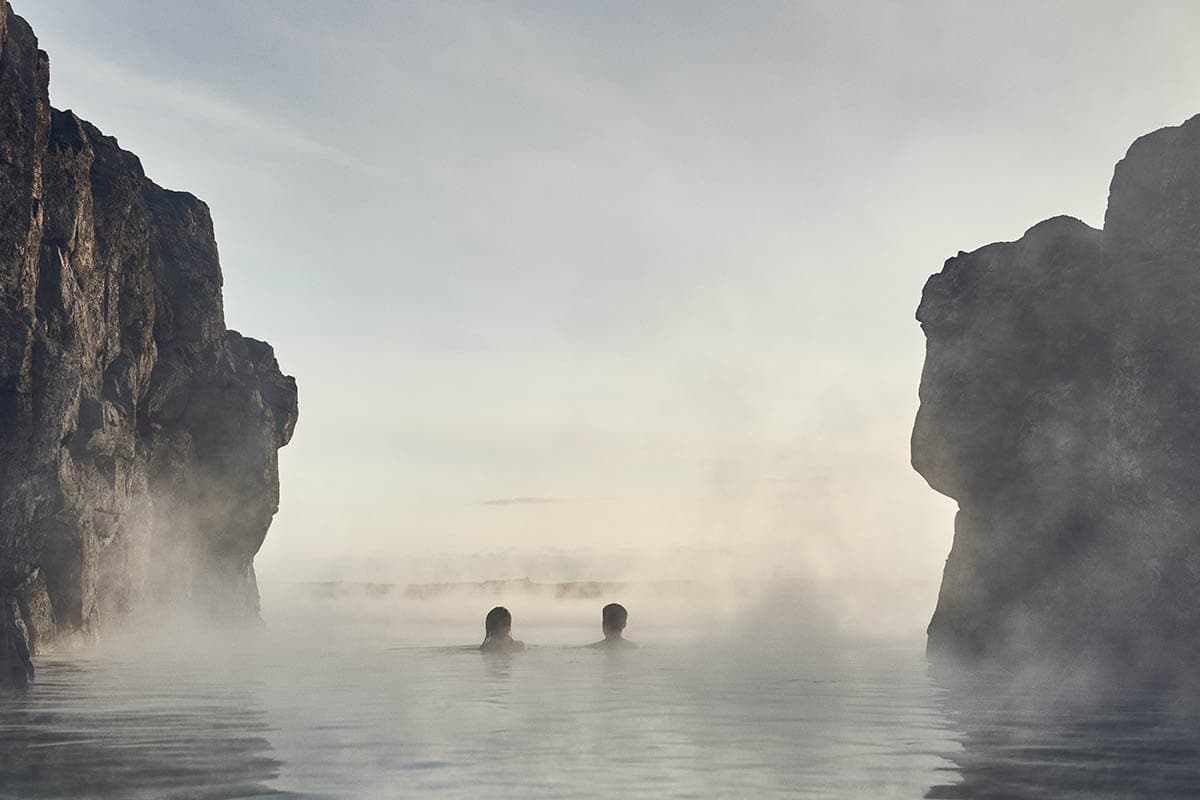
{"x":377,"y":698}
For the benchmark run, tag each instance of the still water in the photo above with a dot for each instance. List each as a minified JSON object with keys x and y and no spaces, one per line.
{"x":371,"y":705}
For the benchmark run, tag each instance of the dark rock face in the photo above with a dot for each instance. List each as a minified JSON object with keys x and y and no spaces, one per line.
{"x":138,"y":436}
{"x":1060,"y":406}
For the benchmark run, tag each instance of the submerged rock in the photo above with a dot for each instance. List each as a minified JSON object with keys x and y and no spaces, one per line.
{"x":1060,"y":406}
{"x":138,"y":435}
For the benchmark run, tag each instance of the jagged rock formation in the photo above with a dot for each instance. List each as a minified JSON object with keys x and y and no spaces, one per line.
{"x":1060,"y":406}
{"x":138,"y":436}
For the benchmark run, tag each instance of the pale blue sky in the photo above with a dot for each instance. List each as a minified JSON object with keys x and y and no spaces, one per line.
{"x":651,"y":265}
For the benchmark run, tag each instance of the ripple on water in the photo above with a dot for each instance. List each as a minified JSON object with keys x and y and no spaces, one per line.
{"x":380,"y":720}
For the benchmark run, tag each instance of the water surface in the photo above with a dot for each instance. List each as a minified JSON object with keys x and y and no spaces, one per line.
{"x":373,"y":708}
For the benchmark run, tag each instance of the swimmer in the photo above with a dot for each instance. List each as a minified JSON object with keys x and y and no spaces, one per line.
{"x":497,"y":638}
{"x":612,"y":621}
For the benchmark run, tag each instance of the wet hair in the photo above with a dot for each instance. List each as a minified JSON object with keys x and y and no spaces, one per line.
{"x":497,"y":620}
{"x":615,"y":616}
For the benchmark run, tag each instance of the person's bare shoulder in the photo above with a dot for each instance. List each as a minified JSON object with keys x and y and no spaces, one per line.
{"x":611,"y":644}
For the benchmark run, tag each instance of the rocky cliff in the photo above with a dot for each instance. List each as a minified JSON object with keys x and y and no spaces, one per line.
{"x":1060,"y":406}
{"x":138,"y":435}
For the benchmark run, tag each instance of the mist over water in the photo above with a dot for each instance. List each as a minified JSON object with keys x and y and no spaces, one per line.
{"x":733,"y":692}
{"x":610,"y":302}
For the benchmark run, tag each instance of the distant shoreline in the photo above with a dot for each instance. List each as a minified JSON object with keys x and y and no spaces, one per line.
{"x":567,"y":590}
{"x":558,"y":590}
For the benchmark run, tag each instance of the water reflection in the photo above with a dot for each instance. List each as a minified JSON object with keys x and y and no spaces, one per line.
{"x":498,"y":664}
{"x":113,"y":733}
{"x":389,"y":719}
{"x":1065,"y":745}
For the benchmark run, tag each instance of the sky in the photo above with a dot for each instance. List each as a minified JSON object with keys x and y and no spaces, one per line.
{"x":612,"y":290}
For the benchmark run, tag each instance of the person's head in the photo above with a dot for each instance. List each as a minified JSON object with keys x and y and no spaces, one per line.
{"x":498,"y":622}
{"x":613,"y":619}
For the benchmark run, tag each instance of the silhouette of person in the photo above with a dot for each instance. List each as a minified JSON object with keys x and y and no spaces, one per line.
{"x":612,"y":620}
{"x":497,"y":636}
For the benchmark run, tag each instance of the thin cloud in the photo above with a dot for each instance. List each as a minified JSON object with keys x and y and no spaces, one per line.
{"x":535,"y":501}
{"x":200,"y":103}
